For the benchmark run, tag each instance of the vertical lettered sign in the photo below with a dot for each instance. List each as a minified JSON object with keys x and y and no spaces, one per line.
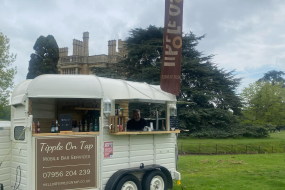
{"x":172,"y":47}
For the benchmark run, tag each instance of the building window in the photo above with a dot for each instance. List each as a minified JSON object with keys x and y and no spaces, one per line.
{"x":69,"y":72}
{"x":72,"y":71}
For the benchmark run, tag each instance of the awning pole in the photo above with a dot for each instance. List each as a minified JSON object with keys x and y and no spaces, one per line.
{"x":156,"y":120}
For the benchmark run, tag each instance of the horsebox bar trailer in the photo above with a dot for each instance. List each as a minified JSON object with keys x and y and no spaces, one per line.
{"x":77,"y":155}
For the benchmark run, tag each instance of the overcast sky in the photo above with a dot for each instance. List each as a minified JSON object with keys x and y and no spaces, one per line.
{"x":245,"y":35}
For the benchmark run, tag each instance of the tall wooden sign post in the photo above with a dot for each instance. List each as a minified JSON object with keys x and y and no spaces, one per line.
{"x":172,"y":47}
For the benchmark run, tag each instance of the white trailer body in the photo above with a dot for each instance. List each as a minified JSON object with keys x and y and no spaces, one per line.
{"x":5,"y":145}
{"x":39,"y":99}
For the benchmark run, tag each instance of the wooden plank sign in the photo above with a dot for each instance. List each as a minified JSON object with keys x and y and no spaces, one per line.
{"x":172,"y":47}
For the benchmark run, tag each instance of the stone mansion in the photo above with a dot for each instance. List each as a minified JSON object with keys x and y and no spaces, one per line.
{"x":80,"y":62}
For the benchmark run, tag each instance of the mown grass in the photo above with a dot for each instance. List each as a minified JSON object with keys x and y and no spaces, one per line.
{"x":236,"y":146}
{"x":232,"y":172}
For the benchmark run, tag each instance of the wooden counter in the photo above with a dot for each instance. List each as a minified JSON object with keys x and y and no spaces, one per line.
{"x":144,"y":132}
{"x":65,"y":133}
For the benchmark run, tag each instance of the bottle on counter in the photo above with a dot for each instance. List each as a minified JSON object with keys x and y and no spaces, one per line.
{"x":34,"y":128}
{"x":80,"y":126}
{"x":116,"y":109}
{"x":38,"y":127}
{"x":56,"y":127}
{"x":85,"y":126}
{"x":121,"y":112}
{"x":96,"y":127}
{"x":52,"y":127}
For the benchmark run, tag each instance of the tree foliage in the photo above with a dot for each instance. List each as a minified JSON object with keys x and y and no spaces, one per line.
{"x":264,"y":103}
{"x":6,"y":114}
{"x":273,"y":76}
{"x":45,"y":58}
{"x":208,"y":90}
{"x":7,"y":73}
{"x":143,"y":62}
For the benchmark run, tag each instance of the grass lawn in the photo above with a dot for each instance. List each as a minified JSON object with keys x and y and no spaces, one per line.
{"x":277,"y":140}
{"x":227,"y":172}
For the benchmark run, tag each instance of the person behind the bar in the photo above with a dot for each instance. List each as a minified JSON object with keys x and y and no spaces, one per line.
{"x":136,"y":123}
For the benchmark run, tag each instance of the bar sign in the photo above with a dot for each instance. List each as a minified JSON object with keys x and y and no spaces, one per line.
{"x":172,"y":47}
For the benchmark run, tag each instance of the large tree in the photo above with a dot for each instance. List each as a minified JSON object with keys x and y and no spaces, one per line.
{"x":143,"y":62}
{"x":6,"y":71}
{"x":45,"y":58}
{"x":208,"y":92}
{"x":264,"y":103}
{"x":273,"y":76}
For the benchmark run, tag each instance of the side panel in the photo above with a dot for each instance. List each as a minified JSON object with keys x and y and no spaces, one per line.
{"x":165,"y":151}
{"x":19,"y":159}
{"x":132,"y":150}
{"x":5,"y":169}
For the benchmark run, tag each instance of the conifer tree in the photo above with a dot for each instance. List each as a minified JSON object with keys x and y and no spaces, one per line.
{"x":45,"y":58}
{"x":208,"y":92}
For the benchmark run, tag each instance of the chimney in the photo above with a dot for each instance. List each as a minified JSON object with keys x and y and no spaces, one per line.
{"x":109,"y":48}
{"x":74,"y":47}
{"x":81,"y":48}
{"x":114,"y":45}
{"x":66,"y":51}
{"x":120,"y":45}
{"x":77,"y":47}
{"x":86,"y":43}
{"x":63,"y":52}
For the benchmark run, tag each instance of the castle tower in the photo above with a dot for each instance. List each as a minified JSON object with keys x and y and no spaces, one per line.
{"x":86,"y":43}
{"x":81,"y":48}
{"x":74,"y":47}
{"x":63,"y":52}
{"x":121,"y":46}
{"x":109,"y":47}
{"x":114,"y":46}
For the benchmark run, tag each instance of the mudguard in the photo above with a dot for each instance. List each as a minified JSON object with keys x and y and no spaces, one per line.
{"x":115,"y":178}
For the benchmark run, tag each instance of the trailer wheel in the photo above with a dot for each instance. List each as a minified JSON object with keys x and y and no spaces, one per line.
{"x":129,"y":182}
{"x":154,"y":180}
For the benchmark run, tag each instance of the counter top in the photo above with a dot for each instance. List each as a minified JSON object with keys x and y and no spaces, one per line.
{"x":144,"y":132}
{"x":65,"y":133}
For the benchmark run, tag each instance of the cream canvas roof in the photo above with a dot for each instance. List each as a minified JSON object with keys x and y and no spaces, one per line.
{"x":88,"y":86}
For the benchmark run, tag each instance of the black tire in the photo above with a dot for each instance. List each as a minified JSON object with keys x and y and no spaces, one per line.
{"x":149,"y":176}
{"x":128,"y":177}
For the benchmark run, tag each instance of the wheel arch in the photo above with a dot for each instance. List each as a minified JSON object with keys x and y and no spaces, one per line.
{"x":115,"y":178}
